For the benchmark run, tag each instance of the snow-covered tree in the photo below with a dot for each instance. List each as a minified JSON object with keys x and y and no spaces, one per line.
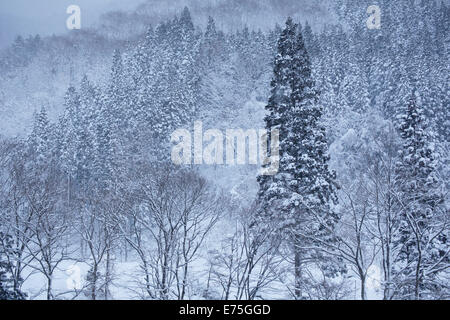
{"x":8,"y":290}
{"x":423,"y":248}
{"x":40,"y":140}
{"x":298,"y":197}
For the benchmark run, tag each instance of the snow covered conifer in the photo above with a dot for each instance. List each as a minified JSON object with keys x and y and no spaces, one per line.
{"x":40,"y":138}
{"x":422,"y":240}
{"x":117,"y":93}
{"x":297,"y":198}
{"x":7,"y":290}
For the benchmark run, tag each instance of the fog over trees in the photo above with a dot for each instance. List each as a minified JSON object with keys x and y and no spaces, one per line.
{"x":93,"y":207}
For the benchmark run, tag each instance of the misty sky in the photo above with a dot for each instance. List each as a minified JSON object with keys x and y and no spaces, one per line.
{"x":49,"y":16}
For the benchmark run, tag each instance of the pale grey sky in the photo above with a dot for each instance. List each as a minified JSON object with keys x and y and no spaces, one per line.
{"x":49,"y":16}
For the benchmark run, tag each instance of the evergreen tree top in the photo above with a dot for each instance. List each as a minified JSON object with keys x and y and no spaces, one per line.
{"x":186,"y":20}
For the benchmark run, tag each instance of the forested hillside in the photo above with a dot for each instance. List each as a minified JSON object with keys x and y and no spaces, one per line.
{"x":93,"y":207}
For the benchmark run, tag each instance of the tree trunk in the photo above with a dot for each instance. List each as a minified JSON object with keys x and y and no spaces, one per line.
{"x":418,"y":271}
{"x":183,"y":290}
{"x":108,"y":272}
{"x":94,"y":284}
{"x":49,"y":287}
{"x":298,"y":269}
{"x":363,"y":288}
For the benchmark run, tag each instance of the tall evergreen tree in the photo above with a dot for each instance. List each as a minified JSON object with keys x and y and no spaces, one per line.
{"x":117,"y":93}
{"x":41,"y":145}
{"x":143,"y":71}
{"x":105,"y":144}
{"x":86,"y":128}
{"x":297,"y":198}
{"x":210,"y":43}
{"x":39,"y":139}
{"x":422,"y":239}
{"x":67,"y":131}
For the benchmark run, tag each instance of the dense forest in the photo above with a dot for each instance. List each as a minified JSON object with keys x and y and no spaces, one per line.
{"x":92,"y":207}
